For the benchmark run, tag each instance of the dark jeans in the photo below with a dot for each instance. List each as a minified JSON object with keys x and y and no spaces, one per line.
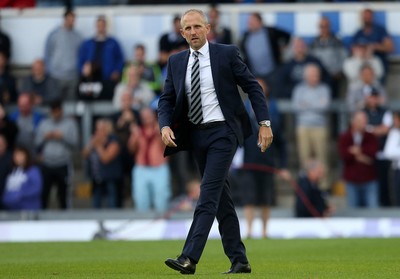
{"x":108,"y":188}
{"x":58,"y":176}
{"x":383,"y":180}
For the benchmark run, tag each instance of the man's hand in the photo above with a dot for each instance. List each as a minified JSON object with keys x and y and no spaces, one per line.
{"x":264,"y":137}
{"x":168,"y":137}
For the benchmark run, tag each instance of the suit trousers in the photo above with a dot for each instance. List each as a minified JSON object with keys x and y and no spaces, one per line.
{"x":213,"y":149}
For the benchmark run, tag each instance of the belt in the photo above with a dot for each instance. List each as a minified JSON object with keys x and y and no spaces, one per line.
{"x":208,"y":125}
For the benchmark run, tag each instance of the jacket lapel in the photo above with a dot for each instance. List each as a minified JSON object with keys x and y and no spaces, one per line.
{"x":182,"y":68}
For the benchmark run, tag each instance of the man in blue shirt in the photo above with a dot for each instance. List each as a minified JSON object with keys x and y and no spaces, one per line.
{"x":375,"y":36}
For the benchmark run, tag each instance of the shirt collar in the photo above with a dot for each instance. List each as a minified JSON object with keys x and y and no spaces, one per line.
{"x":204,"y":50}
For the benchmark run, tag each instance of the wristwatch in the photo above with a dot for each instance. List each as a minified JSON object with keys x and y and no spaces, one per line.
{"x":265,"y":123}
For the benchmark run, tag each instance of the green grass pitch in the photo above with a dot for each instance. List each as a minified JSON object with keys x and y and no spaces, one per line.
{"x":300,"y":258}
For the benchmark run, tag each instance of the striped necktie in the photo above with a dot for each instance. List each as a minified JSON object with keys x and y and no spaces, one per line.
{"x":196,"y":113}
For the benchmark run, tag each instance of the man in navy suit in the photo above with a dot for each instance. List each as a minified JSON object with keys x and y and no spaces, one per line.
{"x":213,"y":135}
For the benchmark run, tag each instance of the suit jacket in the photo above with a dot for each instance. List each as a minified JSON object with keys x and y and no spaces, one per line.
{"x":228,"y":71}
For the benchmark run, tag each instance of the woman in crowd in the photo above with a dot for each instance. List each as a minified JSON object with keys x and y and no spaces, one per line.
{"x":103,"y":153}
{"x":23,"y":187}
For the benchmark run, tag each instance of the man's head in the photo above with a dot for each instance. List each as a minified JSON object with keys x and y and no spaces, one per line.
{"x":213,"y":16}
{"x":56,"y":111}
{"x":312,"y":74}
{"x":69,"y":19}
{"x":134,"y":75}
{"x":299,"y":48}
{"x":38,"y":69}
{"x":148,"y":116}
{"x":315,"y":170}
{"x":359,"y":121}
{"x":372,"y":99}
{"x":195,"y":28}
{"x":25,"y":104}
{"x":126,"y":100}
{"x":367,"y":17}
{"x":140,"y":53}
{"x":324,"y":27}
{"x":176,"y":22}
{"x":101,"y":26}
{"x":367,"y":74}
{"x":255,"y":22}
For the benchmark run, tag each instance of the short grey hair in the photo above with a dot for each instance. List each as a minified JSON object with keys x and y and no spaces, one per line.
{"x":200,"y":12}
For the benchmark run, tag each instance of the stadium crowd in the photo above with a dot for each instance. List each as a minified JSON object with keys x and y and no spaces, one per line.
{"x":125,"y":152}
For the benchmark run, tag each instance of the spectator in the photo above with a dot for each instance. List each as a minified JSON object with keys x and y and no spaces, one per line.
{"x":151,"y":175}
{"x":43,"y":87}
{"x":149,"y":72}
{"x":391,"y":151}
{"x":331,"y":52}
{"x":355,"y":97}
{"x":258,"y":185}
{"x":61,"y":56}
{"x":292,"y":72}
{"x":218,"y":34}
{"x":310,"y":101}
{"x":5,"y":165}
{"x":361,"y":55}
{"x":8,"y":129}
{"x":5,"y":45}
{"x":188,"y":200}
{"x":102,"y":54}
{"x":8,"y":89}
{"x":357,"y":149}
{"x":27,"y":119}
{"x":172,"y":40}
{"x":24,"y":184}
{"x":55,"y":139}
{"x":103,"y":152}
{"x":379,"y":122}
{"x":310,"y":199}
{"x":262,"y":47}
{"x":141,"y":93}
{"x":376,"y":38}
{"x":123,"y":121}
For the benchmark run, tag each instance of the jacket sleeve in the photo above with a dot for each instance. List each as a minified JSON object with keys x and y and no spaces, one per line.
{"x":166,"y":103}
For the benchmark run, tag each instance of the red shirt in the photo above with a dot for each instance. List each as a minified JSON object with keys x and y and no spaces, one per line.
{"x":353,"y":170}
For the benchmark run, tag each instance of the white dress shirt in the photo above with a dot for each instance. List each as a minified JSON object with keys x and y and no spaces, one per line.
{"x":209,"y":101}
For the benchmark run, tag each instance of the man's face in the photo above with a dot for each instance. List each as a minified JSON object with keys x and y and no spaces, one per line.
{"x":38,"y":68}
{"x":367,"y":18}
{"x":194,"y":30}
{"x":56,"y":113}
{"x":101,"y":27}
{"x":213,"y":17}
{"x":254,"y":23}
{"x":69,"y":21}
{"x":24,"y":104}
{"x":324,"y":27}
{"x":367,"y":75}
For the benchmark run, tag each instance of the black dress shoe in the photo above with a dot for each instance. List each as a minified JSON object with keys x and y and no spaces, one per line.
{"x":183,"y":264}
{"x":239,"y":268}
